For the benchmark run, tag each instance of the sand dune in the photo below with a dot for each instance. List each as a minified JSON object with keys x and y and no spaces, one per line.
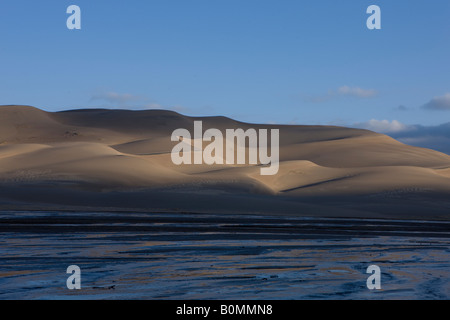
{"x":107,"y":151}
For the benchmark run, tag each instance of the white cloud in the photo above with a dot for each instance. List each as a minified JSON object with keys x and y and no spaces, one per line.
{"x":205,"y":110}
{"x":383,"y":126}
{"x":438,"y":103}
{"x":432,"y":137}
{"x":113,"y":99}
{"x":158,"y":106}
{"x":120,"y":99}
{"x":356,"y":92}
{"x":344,"y":91}
{"x":154,"y":106}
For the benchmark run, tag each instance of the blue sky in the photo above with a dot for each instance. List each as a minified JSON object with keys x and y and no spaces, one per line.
{"x":272,"y":61}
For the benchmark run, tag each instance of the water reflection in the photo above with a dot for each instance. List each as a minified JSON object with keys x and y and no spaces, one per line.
{"x":182,"y":256}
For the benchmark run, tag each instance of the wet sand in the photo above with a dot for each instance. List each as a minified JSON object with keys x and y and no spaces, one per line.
{"x":207,"y":256}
